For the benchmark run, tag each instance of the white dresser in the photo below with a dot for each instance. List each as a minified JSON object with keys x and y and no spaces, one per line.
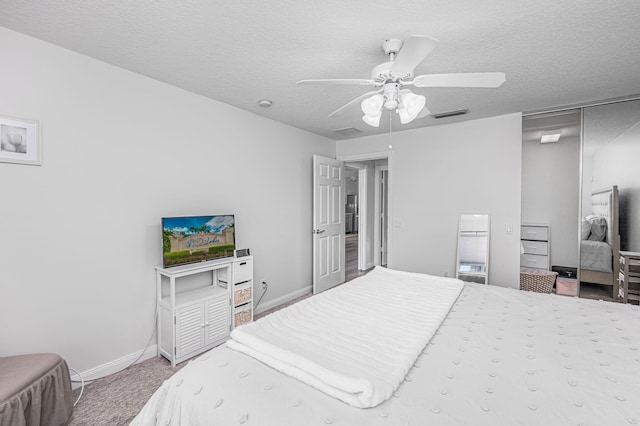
{"x":535,"y":241}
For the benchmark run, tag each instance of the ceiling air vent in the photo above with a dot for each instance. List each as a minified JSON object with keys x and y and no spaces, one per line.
{"x":451,"y":113}
{"x":348,"y":131}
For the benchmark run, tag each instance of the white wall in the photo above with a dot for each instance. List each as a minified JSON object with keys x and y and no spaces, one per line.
{"x":551,"y":192}
{"x":80,"y":235}
{"x":438,"y":172}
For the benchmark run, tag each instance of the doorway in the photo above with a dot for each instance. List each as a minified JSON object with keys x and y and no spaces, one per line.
{"x":366,"y":217}
{"x":356,"y":177}
{"x":381,"y":222}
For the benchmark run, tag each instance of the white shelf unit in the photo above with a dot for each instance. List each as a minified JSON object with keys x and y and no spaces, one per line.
{"x":536,"y":242}
{"x":192,"y":320}
{"x":241,"y":289}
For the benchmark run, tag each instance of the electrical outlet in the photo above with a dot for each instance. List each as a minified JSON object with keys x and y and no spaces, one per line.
{"x":264,"y":284}
{"x":445,"y":274}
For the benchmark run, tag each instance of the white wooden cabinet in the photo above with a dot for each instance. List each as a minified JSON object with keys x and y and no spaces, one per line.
{"x":201,"y":325}
{"x":195,"y":315}
{"x":535,"y":243}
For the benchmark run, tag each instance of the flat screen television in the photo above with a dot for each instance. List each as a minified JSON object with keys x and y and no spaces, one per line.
{"x":190,"y":239}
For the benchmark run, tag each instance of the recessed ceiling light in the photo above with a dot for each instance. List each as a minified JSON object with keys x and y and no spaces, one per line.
{"x":551,"y":136}
{"x":265,"y":103}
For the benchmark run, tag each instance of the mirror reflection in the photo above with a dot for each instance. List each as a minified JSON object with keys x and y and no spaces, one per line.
{"x":610,"y":197}
{"x":472,"y":263}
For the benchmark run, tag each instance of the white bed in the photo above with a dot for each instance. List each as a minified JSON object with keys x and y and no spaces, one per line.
{"x":500,"y":357}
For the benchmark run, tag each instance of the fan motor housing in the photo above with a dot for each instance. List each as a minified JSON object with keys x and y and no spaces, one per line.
{"x":391,"y":46}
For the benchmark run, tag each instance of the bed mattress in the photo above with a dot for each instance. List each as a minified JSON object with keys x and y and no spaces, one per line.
{"x":596,"y":256}
{"x":501,"y":357}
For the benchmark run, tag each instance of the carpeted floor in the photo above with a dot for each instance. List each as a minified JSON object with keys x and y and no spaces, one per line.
{"x":117,"y":399}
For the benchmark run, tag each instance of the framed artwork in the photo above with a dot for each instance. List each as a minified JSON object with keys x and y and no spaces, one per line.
{"x":20,"y":141}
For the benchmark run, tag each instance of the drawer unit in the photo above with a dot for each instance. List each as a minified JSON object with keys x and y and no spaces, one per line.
{"x":240,"y":284}
{"x":534,"y":232}
{"x":535,"y":247}
{"x":629,"y":276}
{"x":242,"y":270}
{"x":534,"y":261}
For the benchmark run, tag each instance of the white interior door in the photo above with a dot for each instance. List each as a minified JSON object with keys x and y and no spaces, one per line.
{"x":328,"y":223}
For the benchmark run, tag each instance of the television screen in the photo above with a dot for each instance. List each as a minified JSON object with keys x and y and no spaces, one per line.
{"x":197,"y":238}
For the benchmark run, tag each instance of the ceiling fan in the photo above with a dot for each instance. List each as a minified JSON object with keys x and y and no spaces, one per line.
{"x":391,"y":78}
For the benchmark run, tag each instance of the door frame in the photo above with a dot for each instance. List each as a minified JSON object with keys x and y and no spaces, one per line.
{"x":362,"y":218}
{"x":377,"y":235}
{"x":362,"y":212}
{"x":382,"y":155}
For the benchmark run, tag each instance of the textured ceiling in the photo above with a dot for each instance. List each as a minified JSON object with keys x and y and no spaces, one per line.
{"x":553,"y":52}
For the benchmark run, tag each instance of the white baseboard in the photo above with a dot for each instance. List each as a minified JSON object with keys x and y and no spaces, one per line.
{"x":282,"y":299}
{"x":114,"y":366}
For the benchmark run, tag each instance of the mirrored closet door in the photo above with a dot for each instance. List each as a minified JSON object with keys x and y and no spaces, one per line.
{"x":610,"y":217}
{"x":580,"y":176}
{"x":551,"y":190}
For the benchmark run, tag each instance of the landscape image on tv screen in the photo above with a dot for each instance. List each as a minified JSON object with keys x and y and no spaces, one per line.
{"x":197,"y":238}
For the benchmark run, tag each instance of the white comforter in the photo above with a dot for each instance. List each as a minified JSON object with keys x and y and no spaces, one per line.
{"x":355,"y":342}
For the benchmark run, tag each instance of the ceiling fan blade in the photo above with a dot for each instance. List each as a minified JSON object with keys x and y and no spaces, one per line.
{"x":355,"y":101}
{"x":479,"y":79}
{"x":359,"y":81}
{"x":414,"y":50}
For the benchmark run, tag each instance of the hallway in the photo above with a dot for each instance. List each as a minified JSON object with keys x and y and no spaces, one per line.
{"x":351,"y":258}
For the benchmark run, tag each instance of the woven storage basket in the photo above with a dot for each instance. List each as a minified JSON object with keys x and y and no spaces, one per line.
{"x":241,"y":296}
{"x":242,"y":317}
{"x":538,"y":280}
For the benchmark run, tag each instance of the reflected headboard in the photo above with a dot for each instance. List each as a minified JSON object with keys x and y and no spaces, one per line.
{"x":604,"y":204}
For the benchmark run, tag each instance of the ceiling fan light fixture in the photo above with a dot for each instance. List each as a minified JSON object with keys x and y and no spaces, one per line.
{"x":373,"y":105}
{"x":391,"y":104}
{"x":372,"y":120}
{"x":411,"y":105}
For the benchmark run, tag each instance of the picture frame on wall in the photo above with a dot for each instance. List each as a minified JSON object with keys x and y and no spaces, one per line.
{"x":20,"y":141}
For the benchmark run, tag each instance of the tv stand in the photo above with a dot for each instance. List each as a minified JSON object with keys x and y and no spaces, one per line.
{"x":192,"y":320}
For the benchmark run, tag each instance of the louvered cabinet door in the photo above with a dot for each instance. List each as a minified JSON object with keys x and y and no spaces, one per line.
{"x":190,"y":329}
{"x":217,"y":320}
